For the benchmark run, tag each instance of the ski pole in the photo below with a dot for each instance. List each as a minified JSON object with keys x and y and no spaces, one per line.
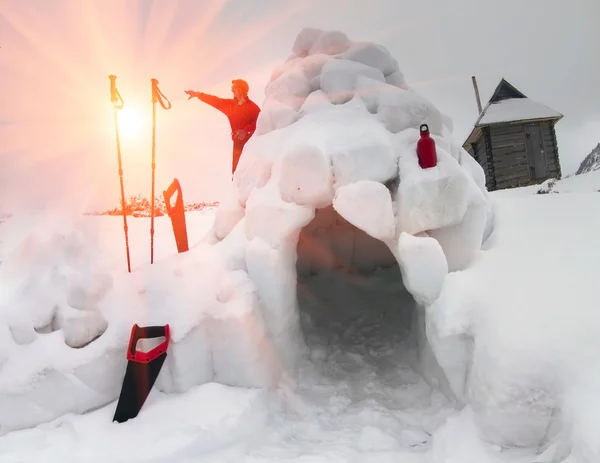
{"x":117,"y":102}
{"x":157,"y":97}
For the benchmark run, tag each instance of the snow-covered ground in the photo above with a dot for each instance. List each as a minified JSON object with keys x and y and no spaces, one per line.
{"x":342,"y":304}
{"x":530,"y":306}
{"x":533,"y":291}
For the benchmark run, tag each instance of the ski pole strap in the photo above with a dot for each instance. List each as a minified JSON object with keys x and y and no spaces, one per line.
{"x":157,"y":95}
{"x":115,"y":96}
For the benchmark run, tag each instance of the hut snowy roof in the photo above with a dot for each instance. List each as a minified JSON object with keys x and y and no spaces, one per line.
{"x":509,"y":105}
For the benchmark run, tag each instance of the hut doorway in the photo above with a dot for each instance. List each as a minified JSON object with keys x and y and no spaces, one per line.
{"x":538,"y":164}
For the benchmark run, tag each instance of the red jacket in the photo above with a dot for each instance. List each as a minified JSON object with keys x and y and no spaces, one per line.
{"x":241,"y":117}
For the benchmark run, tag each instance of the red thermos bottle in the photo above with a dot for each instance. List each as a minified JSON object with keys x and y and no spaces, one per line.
{"x":426,"y":149}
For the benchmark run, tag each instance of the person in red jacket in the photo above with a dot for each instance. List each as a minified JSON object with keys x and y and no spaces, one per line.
{"x":241,"y":112}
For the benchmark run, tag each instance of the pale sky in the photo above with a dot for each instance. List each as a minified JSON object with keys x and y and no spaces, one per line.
{"x":56,"y":123}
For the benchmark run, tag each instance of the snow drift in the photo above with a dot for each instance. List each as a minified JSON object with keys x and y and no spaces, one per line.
{"x":333,"y":161}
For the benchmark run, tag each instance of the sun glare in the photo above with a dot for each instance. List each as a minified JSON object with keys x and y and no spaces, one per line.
{"x":131,"y":123}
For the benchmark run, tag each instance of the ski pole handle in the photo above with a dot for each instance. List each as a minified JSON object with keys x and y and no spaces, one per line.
{"x":115,"y":96}
{"x":113,"y":88}
{"x":154,"y":90}
{"x":147,"y":332}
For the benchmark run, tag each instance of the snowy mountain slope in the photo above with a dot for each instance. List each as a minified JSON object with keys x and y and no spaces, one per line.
{"x":583,"y":183}
{"x":591,"y":162}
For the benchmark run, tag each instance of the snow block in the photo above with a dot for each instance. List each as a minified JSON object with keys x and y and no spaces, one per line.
{"x":372,"y":91}
{"x":87,"y":290}
{"x":401,"y":109}
{"x":338,"y":78}
{"x":80,"y":327}
{"x":454,"y":355}
{"x":311,"y":67}
{"x":448,"y":123}
{"x":372,"y":55}
{"x":272,"y":219}
{"x":253,"y":171}
{"x":275,"y":115}
{"x":305,"y":176}
{"x":305,"y":41}
{"x":189,"y":361}
{"x":232,"y":249}
{"x":423,"y":266}
{"x":250,"y":361}
{"x":462,"y":242}
{"x":367,"y":205}
{"x":291,"y":89}
{"x":450,"y":329}
{"x":361,"y":150}
{"x":397,"y":108}
{"x":290,"y":63}
{"x":427,"y":364}
{"x":330,"y":43}
{"x":511,"y":413}
{"x":433,"y":198}
{"x":274,"y":274}
{"x":47,"y":395}
{"x":227,"y":215}
{"x":396,"y":79}
{"x":20,"y":332}
{"x":316,"y":101}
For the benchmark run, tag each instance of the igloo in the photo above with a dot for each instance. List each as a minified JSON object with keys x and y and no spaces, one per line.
{"x":330,"y":183}
{"x":329,"y":187}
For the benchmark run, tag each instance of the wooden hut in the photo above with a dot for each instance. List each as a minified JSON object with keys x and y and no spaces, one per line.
{"x":514,"y":140}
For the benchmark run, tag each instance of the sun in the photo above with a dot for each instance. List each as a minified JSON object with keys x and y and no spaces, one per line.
{"x":131,"y":123}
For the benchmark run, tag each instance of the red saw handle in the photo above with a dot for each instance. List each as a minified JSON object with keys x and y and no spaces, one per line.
{"x":175,"y":186}
{"x":147,"y":332}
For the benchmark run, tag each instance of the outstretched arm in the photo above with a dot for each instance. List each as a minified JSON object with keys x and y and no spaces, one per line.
{"x":222,"y":104}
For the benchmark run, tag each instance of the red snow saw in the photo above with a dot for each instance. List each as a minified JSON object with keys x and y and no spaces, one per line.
{"x":177,"y":215}
{"x":142,"y":370}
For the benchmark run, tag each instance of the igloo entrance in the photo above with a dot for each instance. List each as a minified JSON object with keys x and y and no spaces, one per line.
{"x":355,"y":311}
